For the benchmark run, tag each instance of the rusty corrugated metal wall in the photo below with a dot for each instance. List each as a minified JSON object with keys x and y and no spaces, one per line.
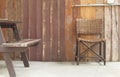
{"x":45,"y":19}
{"x":42,"y":19}
{"x":53,"y":21}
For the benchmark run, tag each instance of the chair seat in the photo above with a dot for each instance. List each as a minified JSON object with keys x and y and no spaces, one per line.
{"x":22,"y":43}
{"x":91,"y":40}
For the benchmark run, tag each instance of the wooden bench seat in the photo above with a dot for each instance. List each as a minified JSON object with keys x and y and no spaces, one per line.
{"x":22,"y":43}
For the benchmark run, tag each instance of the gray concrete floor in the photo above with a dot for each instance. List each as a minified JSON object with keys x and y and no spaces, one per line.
{"x":63,"y":69}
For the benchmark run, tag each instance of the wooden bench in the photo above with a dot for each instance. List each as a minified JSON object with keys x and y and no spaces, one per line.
{"x":20,"y":45}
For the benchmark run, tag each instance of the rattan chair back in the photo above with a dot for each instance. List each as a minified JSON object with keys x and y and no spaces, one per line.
{"x":89,"y":26}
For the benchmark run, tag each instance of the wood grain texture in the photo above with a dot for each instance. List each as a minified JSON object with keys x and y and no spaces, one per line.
{"x":115,"y":32}
{"x":22,"y":43}
{"x":108,"y":33}
{"x":119,"y":29}
{"x":88,"y":12}
{"x":100,"y":10}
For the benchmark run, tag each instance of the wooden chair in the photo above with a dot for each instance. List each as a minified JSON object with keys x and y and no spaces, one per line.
{"x":20,"y":45}
{"x":95,"y":29}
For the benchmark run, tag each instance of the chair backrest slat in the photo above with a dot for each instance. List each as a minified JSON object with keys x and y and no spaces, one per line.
{"x":89,"y":26}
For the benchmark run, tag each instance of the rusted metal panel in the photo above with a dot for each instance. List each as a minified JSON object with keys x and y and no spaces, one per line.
{"x":46,"y":24}
{"x":25,"y":18}
{"x":39,"y":30}
{"x":54,"y":31}
{"x":32,"y":27}
{"x":62,"y":29}
{"x":36,"y":24}
{"x":43,"y":21}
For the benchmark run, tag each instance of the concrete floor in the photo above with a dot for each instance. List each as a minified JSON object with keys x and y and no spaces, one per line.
{"x":63,"y":69}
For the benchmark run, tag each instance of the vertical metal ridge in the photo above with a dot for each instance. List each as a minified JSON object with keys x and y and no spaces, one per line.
{"x":43,"y":23}
{"x":39,"y":29}
{"x":58,"y":29}
{"x":51,"y":27}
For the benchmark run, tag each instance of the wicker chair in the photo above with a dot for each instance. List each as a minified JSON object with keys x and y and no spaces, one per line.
{"x":90,"y":27}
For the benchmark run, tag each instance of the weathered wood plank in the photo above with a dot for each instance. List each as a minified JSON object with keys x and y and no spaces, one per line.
{"x":100,"y":10}
{"x":108,"y":33}
{"x":22,"y":43}
{"x":119,"y":29}
{"x":115,"y":32}
{"x":88,"y":12}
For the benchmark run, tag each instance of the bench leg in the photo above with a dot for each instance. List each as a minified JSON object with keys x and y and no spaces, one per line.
{"x":25,"y":59}
{"x":9,"y":64}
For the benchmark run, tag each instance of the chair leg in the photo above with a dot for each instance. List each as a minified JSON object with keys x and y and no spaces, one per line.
{"x":100,"y":48}
{"x":78,"y":54}
{"x":9,"y":64}
{"x":104,"y":55}
{"x":25,"y":59}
